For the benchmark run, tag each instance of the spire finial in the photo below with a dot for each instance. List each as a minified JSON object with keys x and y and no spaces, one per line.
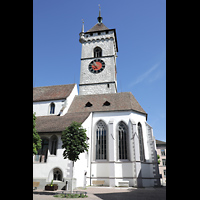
{"x":82,"y":26}
{"x":99,"y":18}
{"x":99,"y":10}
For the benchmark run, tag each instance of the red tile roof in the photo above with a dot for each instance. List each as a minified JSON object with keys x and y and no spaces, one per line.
{"x":52,"y":92}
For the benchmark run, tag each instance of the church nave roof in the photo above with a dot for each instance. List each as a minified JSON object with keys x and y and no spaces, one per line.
{"x":52,"y":92}
{"x":105,"y":102}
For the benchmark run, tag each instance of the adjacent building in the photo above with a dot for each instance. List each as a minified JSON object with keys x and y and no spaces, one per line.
{"x":161,"y":151}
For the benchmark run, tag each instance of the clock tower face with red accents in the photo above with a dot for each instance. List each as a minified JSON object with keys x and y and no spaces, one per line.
{"x":96,"y":66}
{"x":98,"y":60}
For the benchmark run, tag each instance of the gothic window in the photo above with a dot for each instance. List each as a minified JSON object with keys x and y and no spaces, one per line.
{"x":122,"y":140}
{"x":43,"y":152}
{"x":141,"y":144}
{"x":101,"y":140}
{"x":57,"y":174}
{"x":52,"y":108}
{"x":53,"y":145}
{"x":97,"y":52}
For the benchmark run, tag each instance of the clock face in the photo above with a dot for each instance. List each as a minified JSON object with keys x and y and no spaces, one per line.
{"x":96,"y":66}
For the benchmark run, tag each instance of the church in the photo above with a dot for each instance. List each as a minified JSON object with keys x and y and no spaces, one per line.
{"x":122,"y":148}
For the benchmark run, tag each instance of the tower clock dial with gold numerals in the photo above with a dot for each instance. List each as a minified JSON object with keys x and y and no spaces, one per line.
{"x":96,"y":66}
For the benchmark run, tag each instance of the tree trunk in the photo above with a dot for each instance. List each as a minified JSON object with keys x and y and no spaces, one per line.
{"x":72,"y":176}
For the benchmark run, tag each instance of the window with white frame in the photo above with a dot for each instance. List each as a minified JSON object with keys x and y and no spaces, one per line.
{"x":164,"y":162}
{"x":162,"y":152}
{"x":122,"y":140}
{"x":101,"y":140}
{"x":164,"y":172}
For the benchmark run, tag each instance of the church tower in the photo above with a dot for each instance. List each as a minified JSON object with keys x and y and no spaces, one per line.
{"x":98,"y":74}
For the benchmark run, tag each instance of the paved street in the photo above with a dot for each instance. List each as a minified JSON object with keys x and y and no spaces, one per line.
{"x":107,"y":193}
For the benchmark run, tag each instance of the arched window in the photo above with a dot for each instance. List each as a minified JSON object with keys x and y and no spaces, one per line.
{"x":54,"y":141}
{"x":141,"y":144}
{"x":97,"y":52}
{"x":52,"y":108}
{"x":101,"y":140}
{"x":122,"y":140}
{"x":43,"y":152}
{"x":57,"y":174}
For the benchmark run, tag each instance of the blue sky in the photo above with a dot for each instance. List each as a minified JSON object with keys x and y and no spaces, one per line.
{"x":141,"y":34}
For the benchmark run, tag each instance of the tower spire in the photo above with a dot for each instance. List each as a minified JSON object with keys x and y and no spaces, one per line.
{"x":99,"y":18}
{"x":81,"y":34}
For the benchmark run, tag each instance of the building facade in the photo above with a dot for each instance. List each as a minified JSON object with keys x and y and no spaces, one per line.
{"x":161,"y":151}
{"x":122,"y":147}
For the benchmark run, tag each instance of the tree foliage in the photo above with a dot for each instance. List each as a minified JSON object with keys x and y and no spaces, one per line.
{"x":74,"y":141}
{"x":36,"y":138}
{"x":158,"y":159}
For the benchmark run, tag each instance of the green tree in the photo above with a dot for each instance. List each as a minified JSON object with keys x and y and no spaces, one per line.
{"x":158,"y":159}
{"x":74,"y":141}
{"x":36,"y":138}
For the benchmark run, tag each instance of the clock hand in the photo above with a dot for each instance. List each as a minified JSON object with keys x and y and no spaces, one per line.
{"x":95,"y":64}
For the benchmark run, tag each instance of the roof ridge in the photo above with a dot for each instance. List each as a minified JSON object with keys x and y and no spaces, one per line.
{"x":54,"y":85}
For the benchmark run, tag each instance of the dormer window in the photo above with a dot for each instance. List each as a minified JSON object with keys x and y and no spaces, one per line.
{"x":88,"y":104}
{"x":97,"y":52}
{"x":106,"y":103}
{"x":52,"y":108}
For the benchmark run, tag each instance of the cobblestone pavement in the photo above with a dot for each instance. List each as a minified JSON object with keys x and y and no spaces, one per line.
{"x":107,"y":193}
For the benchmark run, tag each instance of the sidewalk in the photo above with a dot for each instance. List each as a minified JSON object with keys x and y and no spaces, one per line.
{"x":107,"y":193}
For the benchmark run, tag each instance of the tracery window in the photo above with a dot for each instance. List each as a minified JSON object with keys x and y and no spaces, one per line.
{"x":122,"y":140}
{"x":101,"y":140}
{"x":141,"y":144}
{"x":43,"y":152}
{"x":97,"y":52}
{"x":57,"y":174}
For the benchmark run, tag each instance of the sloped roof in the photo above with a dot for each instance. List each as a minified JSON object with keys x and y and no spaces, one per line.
{"x":118,"y":102}
{"x":98,"y":27}
{"x":83,"y":105}
{"x":58,"y":123}
{"x":52,"y":92}
{"x":158,"y":142}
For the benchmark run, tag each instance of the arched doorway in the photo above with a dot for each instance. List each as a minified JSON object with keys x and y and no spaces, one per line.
{"x":57,"y":174}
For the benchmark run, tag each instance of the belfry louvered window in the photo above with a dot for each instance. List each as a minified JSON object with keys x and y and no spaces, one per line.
{"x":101,"y":140}
{"x":122,"y":140}
{"x":97,"y":52}
{"x":141,"y":144}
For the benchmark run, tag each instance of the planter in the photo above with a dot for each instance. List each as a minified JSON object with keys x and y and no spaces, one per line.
{"x":51,"y":188}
